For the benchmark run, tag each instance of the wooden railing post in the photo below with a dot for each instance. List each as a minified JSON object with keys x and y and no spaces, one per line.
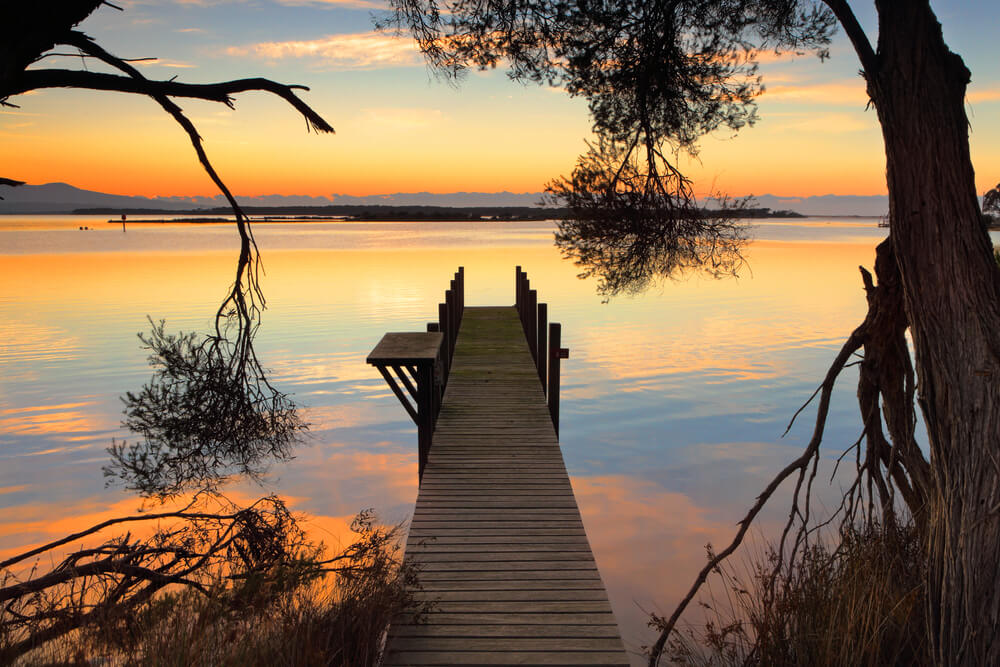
{"x":555,"y":339}
{"x":452,"y":306}
{"x":427,"y":409}
{"x":446,"y":348}
{"x":525,"y":288}
{"x":421,"y":365}
{"x":460,"y":278}
{"x":543,"y":338}
{"x":517,"y":289}
{"x":556,"y":354}
{"x":521,"y":295}
{"x":531,"y":326}
{"x":542,"y":358}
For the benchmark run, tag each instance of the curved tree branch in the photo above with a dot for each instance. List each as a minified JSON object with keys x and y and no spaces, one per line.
{"x":863,"y":47}
{"x":37,"y":79}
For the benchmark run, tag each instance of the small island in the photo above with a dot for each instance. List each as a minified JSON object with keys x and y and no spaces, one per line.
{"x":361,"y":213}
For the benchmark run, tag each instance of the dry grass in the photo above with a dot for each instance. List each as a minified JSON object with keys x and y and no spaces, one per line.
{"x":859,"y":602}
{"x":280,"y":618}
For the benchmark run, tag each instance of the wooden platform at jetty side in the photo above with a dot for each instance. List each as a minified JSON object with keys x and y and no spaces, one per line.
{"x":496,"y":530}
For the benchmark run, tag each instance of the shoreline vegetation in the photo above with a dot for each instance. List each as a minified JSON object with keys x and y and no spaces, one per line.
{"x":855,"y":597}
{"x":205,"y":590}
{"x":353,"y":213}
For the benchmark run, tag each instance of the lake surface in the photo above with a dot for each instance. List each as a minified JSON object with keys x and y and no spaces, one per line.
{"x":673,"y":402}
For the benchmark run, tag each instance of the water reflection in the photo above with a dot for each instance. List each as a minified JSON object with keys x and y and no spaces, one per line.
{"x":673,"y":401}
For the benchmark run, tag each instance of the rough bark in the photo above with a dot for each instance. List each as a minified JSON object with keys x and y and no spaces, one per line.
{"x":952,"y":296}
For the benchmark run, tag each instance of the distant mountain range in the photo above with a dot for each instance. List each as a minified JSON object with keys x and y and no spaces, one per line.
{"x":60,"y":198}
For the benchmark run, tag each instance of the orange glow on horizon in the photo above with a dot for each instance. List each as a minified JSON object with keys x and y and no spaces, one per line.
{"x":384,"y":151}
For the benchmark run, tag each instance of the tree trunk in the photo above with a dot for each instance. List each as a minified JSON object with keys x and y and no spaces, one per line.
{"x":952,"y":296}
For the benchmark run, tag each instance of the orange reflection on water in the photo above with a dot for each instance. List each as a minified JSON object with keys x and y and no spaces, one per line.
{"x":648,"y":544}
{"x":31,"y":525}
{"x":793,"y":295}
{"x":52,"y":420}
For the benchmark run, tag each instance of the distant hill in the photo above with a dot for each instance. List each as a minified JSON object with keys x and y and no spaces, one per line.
{"x":63,"y":198}
{"x":58,"y":198}
{"x":834,"y":205}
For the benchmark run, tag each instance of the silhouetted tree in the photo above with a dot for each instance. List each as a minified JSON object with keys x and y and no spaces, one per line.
{"x":205,"y":415}
{"x":210,"y":408}
{"x":659,"y":74}
{"x":629,"y":228}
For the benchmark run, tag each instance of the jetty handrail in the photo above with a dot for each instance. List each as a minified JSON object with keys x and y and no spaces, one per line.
{"x":421,"y":362}
{"x":449,"y":320}
{"x":545,"y":345}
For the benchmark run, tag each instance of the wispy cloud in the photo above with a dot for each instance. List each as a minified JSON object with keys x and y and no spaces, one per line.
{"x":988,"y":95}
{"x":173,"y":64}
{"x":349,"y":4}
{"x":844,"y":93}
{"x":365,"y":50}
{"x":766,"y":57}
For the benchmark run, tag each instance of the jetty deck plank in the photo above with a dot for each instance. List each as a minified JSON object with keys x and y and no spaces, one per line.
{"x":496,"y":530}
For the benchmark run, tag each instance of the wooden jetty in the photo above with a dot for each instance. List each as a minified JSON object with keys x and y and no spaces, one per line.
{"x":496,"y":531}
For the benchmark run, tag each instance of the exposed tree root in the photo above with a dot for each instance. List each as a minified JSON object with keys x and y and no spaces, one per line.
{"x":883,"y":467}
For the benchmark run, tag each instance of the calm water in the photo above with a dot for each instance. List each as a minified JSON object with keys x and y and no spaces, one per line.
{"x":673,"y":402}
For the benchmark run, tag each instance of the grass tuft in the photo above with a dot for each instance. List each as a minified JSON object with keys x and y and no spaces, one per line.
{"x":859,"y":602}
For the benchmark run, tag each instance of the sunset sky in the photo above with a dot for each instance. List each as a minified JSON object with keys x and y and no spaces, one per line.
{"x":401,"y":130}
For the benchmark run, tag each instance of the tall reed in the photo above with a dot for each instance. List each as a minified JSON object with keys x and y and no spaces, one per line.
{"x":855,"y":600}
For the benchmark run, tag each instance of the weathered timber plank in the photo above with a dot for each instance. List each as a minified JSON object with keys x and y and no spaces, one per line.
{"x":477,"y":477}
{"x":585,"y":618}
{"x":528,"y":585}
{"x":529,"y":558}
{"x":544,"y":595}
{"x":437,"y":546}
{"x":535,"y":522}
{"x":519,"y":503}
{"x":496,"y":534}
{"x":546,"y":567}
{"x":523,"y":607}
{"x":509,"y":644}
{"x":490,"y":493}
{"x":431,"y":529}
{"x":512,"y":584}
{"x":563,"y":631}
{"x":429,"y":489}
{"x":507,"y":575}
{"x":595,"y":658}
{"x":511,"y":541}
